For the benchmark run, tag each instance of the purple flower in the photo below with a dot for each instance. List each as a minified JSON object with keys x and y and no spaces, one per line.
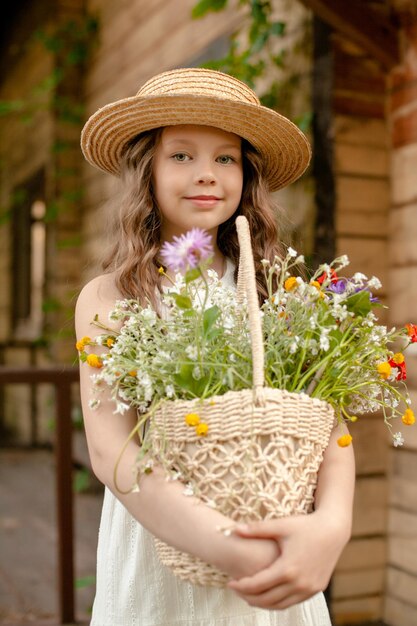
{"x":188,"y":250}
{"x":338,"y":286}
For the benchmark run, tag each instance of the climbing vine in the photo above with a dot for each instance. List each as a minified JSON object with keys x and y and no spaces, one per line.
{"x":254,"y":55}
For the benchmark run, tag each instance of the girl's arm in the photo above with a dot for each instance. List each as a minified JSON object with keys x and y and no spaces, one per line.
{"x":160,"y":506}
{"x":310,"y":545}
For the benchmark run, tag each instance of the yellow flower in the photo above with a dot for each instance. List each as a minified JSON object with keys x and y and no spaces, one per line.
{"x":398,"y":358}
{"x":408,"y":418}
{"x":110,"y":342}
{"x":344,"y":441}
{"x":202,"y":429}
{"x":94,"y":361}
{"x":291,"y":283}
{"x":192,"y":419}
{"x":316,"y":284}
{"x":161,"y":270}
{"x":353,"y":418}
{"x":132,"y":373}
{"x":80,"y":345}
{"x":384,"y":370}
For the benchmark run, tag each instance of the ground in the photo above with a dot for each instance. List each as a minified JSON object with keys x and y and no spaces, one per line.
{"x":28,"y":540}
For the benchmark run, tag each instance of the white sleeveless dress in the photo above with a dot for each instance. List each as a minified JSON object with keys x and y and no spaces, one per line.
{"x":134,"y":589}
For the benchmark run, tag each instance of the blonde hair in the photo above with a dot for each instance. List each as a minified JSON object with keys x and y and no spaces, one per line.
{"x":134,"y":255}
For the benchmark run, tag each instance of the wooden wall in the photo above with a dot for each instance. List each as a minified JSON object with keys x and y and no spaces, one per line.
{"x":401,"y":596}
{"x":361,"y":167}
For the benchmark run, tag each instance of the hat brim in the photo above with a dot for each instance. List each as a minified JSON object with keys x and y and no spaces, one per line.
{"x":284,"y":148}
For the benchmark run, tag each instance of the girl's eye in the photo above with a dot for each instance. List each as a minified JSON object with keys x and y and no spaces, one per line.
{"x":180,"y":156}
{"x":225,"y":159}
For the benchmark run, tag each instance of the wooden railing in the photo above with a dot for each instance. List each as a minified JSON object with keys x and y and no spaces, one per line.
{"x":62,"y":378}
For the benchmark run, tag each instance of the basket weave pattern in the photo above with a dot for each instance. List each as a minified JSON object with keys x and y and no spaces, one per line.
{"x":263,"y":450}
{"x":257,"y":462}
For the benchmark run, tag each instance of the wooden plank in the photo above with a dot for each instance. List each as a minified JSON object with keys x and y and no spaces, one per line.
{"x":359,"y":104}
{"x":362,"y":132}
{"x":366,"y":255}
{"x":357,"y":610}
{"x":361,"y":160}
{"x":352,"y":557}
{"x":403,"y":235}
{"x":397,"y":613}
{"x":370,"y":459}
{"x":373,"y":32}
{"x":403,"y":303}
{"x":370,"y":508}
{"x":353,"y":584}
{"x":403,"y":493}
{"x":402,"y":586}
{"x":363,"y":194}
{"x":357,"y":74}
{"x":403,"y":175}
{"x":361,"y":224}
{"x":402,"y":553}
{"x":402,"y":523}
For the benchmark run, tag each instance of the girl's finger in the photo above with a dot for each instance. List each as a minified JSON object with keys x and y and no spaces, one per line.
{"x":261,"y":582}
{"x":275,"y":598}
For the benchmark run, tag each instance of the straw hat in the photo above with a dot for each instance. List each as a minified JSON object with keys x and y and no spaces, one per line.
{"x":197,"y":96}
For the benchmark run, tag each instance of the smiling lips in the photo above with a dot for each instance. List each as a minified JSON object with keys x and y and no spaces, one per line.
{"x":204,"y":201}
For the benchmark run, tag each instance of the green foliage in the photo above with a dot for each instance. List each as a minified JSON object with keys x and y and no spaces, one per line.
{"x":254,"y":60}
{"x":81,"y":481}
{"x":244,"y":64}
{"x":204,"y":6}
{"x":85,"y":581}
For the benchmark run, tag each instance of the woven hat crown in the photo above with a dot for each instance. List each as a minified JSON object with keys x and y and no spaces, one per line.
{"x":199,"y":82}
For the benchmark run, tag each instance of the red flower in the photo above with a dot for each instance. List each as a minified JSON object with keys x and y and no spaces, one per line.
{"x":333,"y":278}
{"x":412,"y":332}
{"x":401,"y":369}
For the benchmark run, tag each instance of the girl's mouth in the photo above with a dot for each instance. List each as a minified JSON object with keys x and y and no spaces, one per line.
{"x":203,"y":201}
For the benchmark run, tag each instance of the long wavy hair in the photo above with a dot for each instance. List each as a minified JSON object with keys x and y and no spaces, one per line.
{"x":137,"y":230}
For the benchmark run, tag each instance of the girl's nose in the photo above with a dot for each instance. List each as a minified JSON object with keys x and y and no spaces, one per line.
{"x":205,"y":176}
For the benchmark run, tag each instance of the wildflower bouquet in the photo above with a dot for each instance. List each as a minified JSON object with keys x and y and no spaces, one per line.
{"x":238,"y":402}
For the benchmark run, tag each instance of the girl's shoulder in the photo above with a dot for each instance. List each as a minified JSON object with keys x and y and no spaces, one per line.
{"x":102,"y":288}
{"x":96,"y":299}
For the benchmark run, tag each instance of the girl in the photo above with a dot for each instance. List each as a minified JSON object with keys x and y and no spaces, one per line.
{"x":195,"y":148}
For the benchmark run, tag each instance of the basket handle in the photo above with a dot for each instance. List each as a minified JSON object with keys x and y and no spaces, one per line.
{"x":246,"y":284}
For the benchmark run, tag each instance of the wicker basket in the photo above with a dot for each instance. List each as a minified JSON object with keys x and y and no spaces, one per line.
{"x":264,"y":447}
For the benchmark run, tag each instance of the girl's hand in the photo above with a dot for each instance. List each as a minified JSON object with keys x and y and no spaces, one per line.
{"x":310,"y":546}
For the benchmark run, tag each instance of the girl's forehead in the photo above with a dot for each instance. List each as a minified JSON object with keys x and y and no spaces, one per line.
{"x":194,"y":132}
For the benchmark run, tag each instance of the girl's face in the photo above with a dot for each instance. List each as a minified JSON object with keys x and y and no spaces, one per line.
{"x":197,"y":178}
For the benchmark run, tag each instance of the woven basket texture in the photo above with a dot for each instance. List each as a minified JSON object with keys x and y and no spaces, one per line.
{"x":256,"y":462}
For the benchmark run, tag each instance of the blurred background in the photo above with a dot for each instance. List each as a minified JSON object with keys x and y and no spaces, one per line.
{"x":346,"y":73}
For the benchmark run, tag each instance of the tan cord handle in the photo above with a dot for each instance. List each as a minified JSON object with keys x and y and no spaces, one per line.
{"x":246,"y":283}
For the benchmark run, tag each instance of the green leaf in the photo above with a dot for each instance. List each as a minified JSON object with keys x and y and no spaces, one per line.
{"x":85,"y":581}
{"x":259,"y":42}
{"x":205,"y":6}
{"x":184,"y":378}
{"x":192,"y":275}
{"x":81,"y":480}
{"x":183,"y":302}
{"x":359,"y":303}
{"x":209,"y":318}
{"x":278,"y":28}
